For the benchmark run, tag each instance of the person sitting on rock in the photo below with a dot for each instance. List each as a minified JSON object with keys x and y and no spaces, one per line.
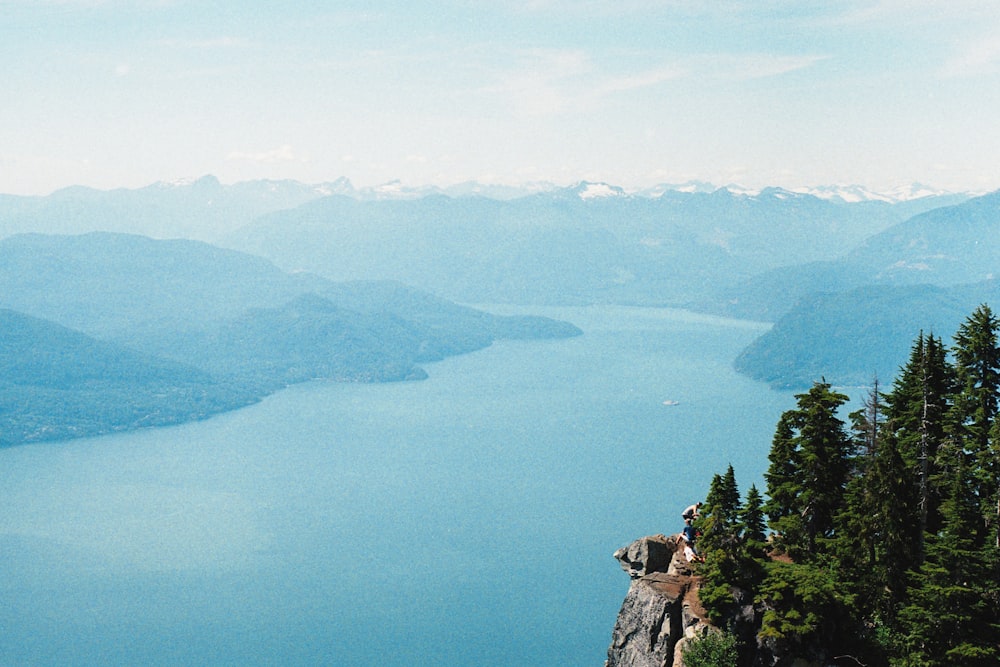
{"x":689,"y":532}
{"x":691,"y":555}
{"x":691,"y":513}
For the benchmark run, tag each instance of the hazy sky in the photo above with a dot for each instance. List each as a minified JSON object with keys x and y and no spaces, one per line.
{"x":112,"y":93}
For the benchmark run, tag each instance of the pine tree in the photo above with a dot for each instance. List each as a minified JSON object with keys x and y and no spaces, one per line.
{"x":897,"y":540}
{"x":949,"y":618}
{"x":977,"y":367}
{"x":733,"y":545}
{"x":809,"y":470}
{"x":977,"y":372}
{"x":752,"y":523}
{"x":719,"y":514}
{"x":915,"y":410}
{"x":782,"y":477}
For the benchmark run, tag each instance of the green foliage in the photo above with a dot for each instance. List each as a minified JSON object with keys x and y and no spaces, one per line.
{"x":801,"y":600}
{"x":752,"y":522}
{"x":887,"y":543}
{"x":809,"y":470}
{"x":719,"y":514}
{"x":977,"y":370}
{"x":719,"y":575}
{"x":948,"y":620}
{"x":713,"y":649}
{"x":733,"y":546}
{"x":915,"y":409}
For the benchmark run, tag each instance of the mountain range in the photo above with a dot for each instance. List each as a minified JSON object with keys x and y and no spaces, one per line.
{"x":304,"y":281}
{"x":560,"y":247}
{"x":108,"y":331}
{"x":854,"y":318}
{"x":206,"y":210}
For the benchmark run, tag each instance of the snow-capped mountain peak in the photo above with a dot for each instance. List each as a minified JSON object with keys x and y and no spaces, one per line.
{"x":586,"y":190}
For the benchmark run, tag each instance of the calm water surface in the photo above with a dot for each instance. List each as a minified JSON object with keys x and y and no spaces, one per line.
{"x":465,"y":520}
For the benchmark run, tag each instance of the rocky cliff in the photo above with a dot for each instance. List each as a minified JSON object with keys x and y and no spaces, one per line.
{"x":661,"y":611}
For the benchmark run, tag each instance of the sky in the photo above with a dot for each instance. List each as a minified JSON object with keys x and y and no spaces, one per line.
{"x":789,"y":93}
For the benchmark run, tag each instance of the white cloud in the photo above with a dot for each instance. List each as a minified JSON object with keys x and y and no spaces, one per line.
{"x":221,"y":42}
{"x":761,"y":65}
{"x":627,"y":82}
{"x":282,"y":153}
{"x":975,"y":58}
{"x":552,"y":82}
{"x":549,"y":82}
{"x":539,"y":85}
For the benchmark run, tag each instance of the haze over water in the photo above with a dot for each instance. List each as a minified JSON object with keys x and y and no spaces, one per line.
{"x":466,"y":519}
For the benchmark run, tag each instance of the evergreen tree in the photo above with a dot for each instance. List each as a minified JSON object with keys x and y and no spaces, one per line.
{"x":782,"y":478}
{"x":809,"y":470}
{"x":977,"y":369}
{"x":858,"y":522}
{"x":718,"y":521}
{"x":733,"y":545}
{"x":715,"y":649}
{"x":729,"y":501}
{"x":893,"y":533}
{"x":752,"y":523}
{"x":915,"y":410}
{"x":977,"y":372}
{"x":949,"y":618}
{"x":805,"y":610}
{"x":991,"y":473}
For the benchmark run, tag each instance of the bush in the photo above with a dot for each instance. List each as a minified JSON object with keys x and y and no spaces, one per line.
{"x":714,"y":649}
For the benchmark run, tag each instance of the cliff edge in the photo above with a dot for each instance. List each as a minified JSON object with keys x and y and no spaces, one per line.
{"x":661,"y":611}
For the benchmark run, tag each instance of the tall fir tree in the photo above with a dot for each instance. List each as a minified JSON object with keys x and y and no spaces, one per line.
{"x":914,"y":410}
{"x":718,"y":521}
{"x":782,"y":478}
{"x":753,"y":525}
{"x":949,"y":618}
{"x":977,"y":368}
{"x":809,"y":470}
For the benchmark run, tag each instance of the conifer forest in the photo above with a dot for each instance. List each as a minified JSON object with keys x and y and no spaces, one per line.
{"x":877,"y":539}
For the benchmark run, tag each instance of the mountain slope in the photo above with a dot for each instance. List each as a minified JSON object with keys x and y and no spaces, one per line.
{"x":58,"y":383}
{"x":950,"y":245}
{"x":233,"y":322}
{"x":202,"y":209}
{"x":852,"y":337}
{"x":564,"y":246}
{"x":946,"y":246}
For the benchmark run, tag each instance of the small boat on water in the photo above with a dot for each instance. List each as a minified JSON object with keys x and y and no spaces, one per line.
{"x":671,"y":402}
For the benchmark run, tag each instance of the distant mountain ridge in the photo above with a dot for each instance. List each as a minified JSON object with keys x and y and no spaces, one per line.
{"x":104,"y":332}
{"x":588,"y":244}
{"x":854,"y":318}
{"x":57,"y":383}
{"x":207,"y":210}
{"x":755,"y":254}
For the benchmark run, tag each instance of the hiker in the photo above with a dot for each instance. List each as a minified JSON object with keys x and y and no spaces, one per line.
{"x":689,"y":532}
{"x":691,"y":513}
{"x":691,"y":555}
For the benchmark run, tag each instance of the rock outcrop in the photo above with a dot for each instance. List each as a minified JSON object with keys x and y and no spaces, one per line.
{"x":661,"y":610}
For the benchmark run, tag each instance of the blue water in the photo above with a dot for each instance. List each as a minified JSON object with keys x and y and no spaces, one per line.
{"x":465,"y":520}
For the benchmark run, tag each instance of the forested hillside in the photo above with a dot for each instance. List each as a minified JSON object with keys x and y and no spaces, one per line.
{"x":56,"y":383}
{"x":877,"y":541}
{"x":106,"y":332}
{"x":847,"y":319}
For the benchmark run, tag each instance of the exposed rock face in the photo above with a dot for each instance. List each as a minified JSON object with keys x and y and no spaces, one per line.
{"x":661,"y":610}
{"x":647,"y":554}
